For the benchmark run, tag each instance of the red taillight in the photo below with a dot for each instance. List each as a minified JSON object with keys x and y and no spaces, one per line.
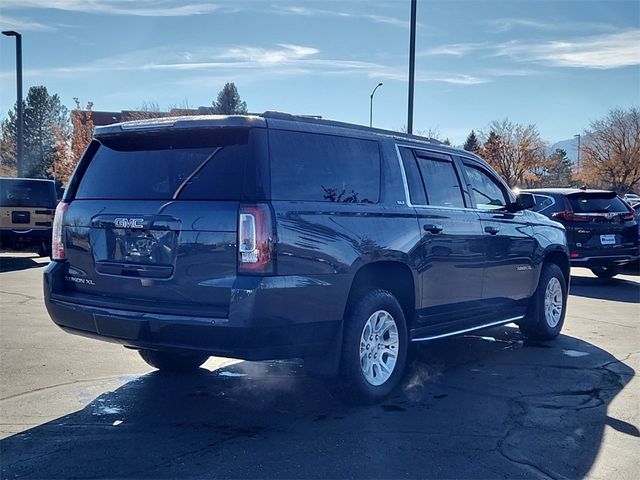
{"x":574,"y":254}
{"x":57,"y":243}
{"x":630,"y":216}
{"x":255,"y":239}
{"x":571,"y":217}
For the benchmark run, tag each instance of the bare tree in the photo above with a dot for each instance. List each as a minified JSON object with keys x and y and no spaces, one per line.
{"x":516,"y":152}
{"x":610,"y":151}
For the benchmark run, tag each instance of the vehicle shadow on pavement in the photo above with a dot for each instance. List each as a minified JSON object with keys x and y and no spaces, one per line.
{"x":615,"y":289}
{"x":12,"y":264}
{"x":479,"y":406}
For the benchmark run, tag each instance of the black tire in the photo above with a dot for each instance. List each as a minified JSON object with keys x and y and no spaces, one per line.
{"x":536,"y":325}
{"x":173,"y":362}
{"x":351,"y":384}
{"x":44,"y":250}
{"x":605,"y":272}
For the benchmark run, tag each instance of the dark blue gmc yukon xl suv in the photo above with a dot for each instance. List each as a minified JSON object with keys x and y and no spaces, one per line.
{"x":277,"y":236}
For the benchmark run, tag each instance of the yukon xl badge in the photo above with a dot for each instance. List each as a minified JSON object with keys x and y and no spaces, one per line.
{"x":128,"y":223}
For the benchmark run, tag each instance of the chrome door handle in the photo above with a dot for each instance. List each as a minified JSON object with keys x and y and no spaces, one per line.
{"x":491,"y":230}
{"x":432,"y":228}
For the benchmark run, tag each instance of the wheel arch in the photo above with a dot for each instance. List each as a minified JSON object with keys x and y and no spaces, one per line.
{"x":561,"y":259}
{"x":394,"y":276}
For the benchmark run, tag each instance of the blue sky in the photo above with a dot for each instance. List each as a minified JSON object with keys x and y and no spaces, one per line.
{"x":558,"y":64}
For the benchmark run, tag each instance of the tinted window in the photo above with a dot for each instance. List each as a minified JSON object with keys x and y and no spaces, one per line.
{"x":486,"y":192}
{"x":542,"y":203}
{"x":202,"y":165}
{"x":414,"y":181}
{"x":27,"y":193}
{"x":596,"y":203}
{"x":441,"y":181}
{"x":307,"y":166}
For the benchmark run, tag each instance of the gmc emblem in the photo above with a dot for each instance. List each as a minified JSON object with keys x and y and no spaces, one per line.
{"x":128,"y":223}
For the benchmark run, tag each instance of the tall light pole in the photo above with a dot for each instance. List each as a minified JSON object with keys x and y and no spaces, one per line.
{"x":371,"y":104}
{"x":20,"y":119}
{"x":578,"y":159}
{"x":412,"y":65}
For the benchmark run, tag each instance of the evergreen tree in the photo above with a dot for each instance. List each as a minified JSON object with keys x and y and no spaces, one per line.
{"x":472,"y":144}
{"x":43,"y":113}
{"x":228,"y":101}
{"x":560,"y":170}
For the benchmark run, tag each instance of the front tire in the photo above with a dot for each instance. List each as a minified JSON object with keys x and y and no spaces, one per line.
{"x":374,"y":351}
{"x":605,"y":272}
{"x":173,"y":362}
{"x":548,"y":306}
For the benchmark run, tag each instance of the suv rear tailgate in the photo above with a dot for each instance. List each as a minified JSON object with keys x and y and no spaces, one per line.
{"x":152,"y":220}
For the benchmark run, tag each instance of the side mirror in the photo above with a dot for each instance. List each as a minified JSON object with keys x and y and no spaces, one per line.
{"x":524,"y":201}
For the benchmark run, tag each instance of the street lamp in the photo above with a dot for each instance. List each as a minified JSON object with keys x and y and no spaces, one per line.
{"x":578,"y":159}
{"x":371,"y":104}
{"x":20,"y":119}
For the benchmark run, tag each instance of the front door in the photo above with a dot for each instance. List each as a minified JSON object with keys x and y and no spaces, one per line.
{"x":509,"y":278}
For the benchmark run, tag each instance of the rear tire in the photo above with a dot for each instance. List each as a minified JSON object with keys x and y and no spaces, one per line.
{"x":548,"y":306}
{"x":44,"y":250}
{"x":605,"y":272}
{"x":173,"y":362}
{"x":374,"y":350}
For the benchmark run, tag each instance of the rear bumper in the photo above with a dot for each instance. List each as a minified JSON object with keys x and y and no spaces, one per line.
{"x":610,"y":260}
{"x":27,"y":236}
{"x":265,"y":320}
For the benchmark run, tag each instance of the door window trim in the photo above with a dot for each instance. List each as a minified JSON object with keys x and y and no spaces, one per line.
{"x":501,"y":185}
{"x":405,"y":182}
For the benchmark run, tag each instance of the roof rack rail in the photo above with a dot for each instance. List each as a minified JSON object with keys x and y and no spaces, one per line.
{"x":318,"y":119}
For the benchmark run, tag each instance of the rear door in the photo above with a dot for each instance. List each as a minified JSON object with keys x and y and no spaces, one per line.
{"x":600,"y":224}
{"x":153,"y":217}
{"x":452,"y":247}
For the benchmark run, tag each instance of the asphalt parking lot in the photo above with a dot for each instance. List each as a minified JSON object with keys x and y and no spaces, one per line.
{"x":490,"y":405}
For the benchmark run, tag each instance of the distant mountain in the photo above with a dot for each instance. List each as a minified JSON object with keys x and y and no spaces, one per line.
{"x":570,"y":146}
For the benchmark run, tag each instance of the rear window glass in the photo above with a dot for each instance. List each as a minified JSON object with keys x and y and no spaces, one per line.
{"x":596,"y":203}
{"x":27,"y":193}
{"x":202,"y":165}
{"x":307,"y":166}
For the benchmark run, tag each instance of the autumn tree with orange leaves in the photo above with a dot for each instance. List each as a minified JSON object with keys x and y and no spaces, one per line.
{"x":610,"y":153}
{"x":515,"y":151}
{"x":70,"y":145}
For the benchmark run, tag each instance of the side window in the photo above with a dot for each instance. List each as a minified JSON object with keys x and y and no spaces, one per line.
{"x":315,"y":167}
{"x":542,"y":203}
{"x":440,"y":181}
{"x":486,"y":192}
{"x":414,"y":181}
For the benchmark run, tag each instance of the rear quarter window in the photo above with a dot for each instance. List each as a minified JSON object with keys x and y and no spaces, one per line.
{"x":325,"y":168}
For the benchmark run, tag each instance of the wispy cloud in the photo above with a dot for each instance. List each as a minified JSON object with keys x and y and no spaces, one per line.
{"x":453,"y":49}
{"x":23,"y":24}
{"x":309,"y":12}
{"x":597,"y":52}
{"x":503,"y":25}
{"x":611,"y":50}
{"x":283,"y":60}
{"x":145,"y":8}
